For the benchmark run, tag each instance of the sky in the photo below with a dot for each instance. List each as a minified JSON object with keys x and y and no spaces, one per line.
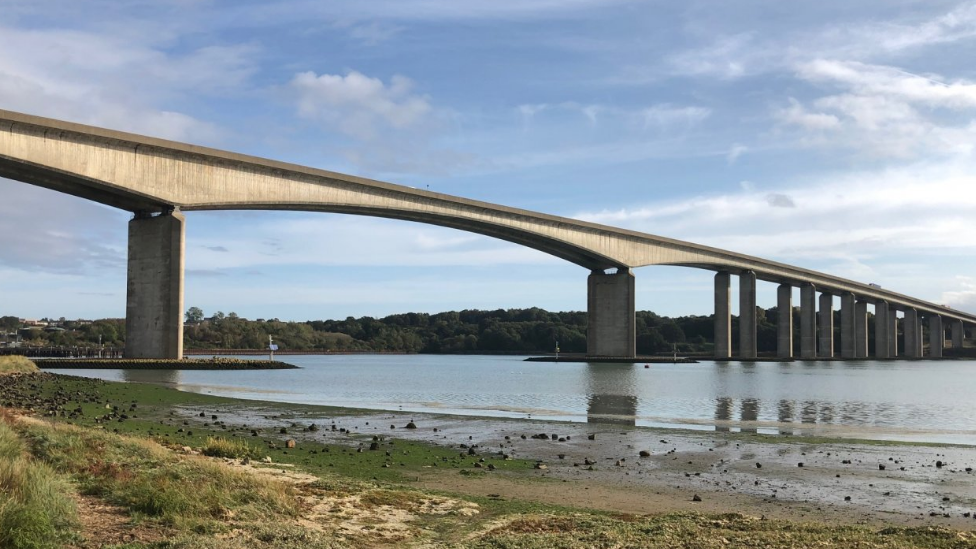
{"x":836,"y":136}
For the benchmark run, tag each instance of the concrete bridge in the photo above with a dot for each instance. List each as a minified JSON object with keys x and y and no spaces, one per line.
{"x":157,"y":179}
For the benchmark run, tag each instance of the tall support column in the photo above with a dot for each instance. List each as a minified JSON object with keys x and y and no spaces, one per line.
{"x":826,"y":326}
{"x":723,"y":315}
{"x":881,"y":331}
{"x":784,"y":321}
{"x":936,"y":336}
{"x":808,"y":321}
{"x":847,"y":326}
{"x":913,"y":346}
{"x":747,"y":315}
{"x":892,"y":332}
{"x":154,"y":291}
{"x":611,"y":324}
{"x":958,"y":333}
{"x":861,"y":329}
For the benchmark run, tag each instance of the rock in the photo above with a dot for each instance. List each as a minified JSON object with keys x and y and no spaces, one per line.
{"x":939,"y":464}
{"x":881,"y":467}
{"x":540,"y":466}
{"x":799,"y":464}
{"x":847,"y":498}
{"x":588,"y":461}
{"x":246,"y":461}
{"x":644,"y":454}
{"x":758,"y":465}
{"x":374,"y":446}
{"x":283,"y":431}
{"x":491,"y":467}
{"x":411,"y":425}
{"x":290,"y":443}
{"x":313,"y":427}
{"x":619,"y":463}
{"x":392,"y":426}
{"x":267,"y":459}
{"x":471,"y":451}
{"x":591,"y":436}
{"x":696,"y":497}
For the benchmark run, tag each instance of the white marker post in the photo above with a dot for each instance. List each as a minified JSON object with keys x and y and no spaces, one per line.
{"x":271,"y":347}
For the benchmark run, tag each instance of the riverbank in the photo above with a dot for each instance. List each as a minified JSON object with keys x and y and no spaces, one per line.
{"x":528,"y":483}
{"x":215,"y":363}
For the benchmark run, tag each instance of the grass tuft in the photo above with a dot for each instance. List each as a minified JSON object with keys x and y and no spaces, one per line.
{"x":224,"y":448}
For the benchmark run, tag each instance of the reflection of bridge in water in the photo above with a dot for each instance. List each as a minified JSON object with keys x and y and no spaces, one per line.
{"x":789,"y":413}
{"x":162,"y":377}
{"x":611,"y":394}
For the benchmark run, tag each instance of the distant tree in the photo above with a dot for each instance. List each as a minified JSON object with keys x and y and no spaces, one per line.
{"x":9,"y":322}
{"x":194,"y":314}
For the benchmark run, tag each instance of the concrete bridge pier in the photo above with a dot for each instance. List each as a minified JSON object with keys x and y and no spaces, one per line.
{"x":610,"y":307}
{"x":826,"y":326}
{"x":784,"y":321}
{"x":154,"y":290}
{"x":808,"y":322}
{"x":747,"y":315}
{"x":847,"y":338}
{"x":881,"y":331}
{"x":892,"y":333}
{"x":913,"y":344}
{"x":723,"y":315}
{"x":958,"y":333}
{"x":936,"y":336}
{"x":861,"y":329}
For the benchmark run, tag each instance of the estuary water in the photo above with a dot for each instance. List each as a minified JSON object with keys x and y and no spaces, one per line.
{"x":907,"y":401}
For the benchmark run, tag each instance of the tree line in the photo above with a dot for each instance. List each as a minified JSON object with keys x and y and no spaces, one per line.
{"x":531,"y":330}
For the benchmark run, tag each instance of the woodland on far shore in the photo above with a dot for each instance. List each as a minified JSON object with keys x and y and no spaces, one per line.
{"x":531,"y":330}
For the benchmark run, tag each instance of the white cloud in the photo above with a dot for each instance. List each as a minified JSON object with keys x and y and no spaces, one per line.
{"x":735,"y":151}
{"x":964,"y":296}
{"x":105,"y":80}
{"x":883,"y":111}
{"x":361,"y":106}
{"x":916,"y":211}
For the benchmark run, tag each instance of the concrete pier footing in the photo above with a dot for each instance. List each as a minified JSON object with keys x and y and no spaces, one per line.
{"x":936,"y":336}
{"x":747,"y":315}
{"x":847,"y":337}
{"x":611,"y":324}
{"x":861,"y":329}
{"x":826,"y":349}
{"x":808,"y":322}
{"x":154,"y":292}
{"x":881,"y":331}
{"x":784,"y":321}
{"x":723,"y":315}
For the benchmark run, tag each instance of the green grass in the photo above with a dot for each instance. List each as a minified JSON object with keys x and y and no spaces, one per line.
{"x":16,"y":365}
{"x":149,"y":480}
{"x":223,"y":448}
{"x":35,"y":510}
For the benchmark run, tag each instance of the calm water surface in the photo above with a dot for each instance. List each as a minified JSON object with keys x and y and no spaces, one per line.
{"x":924,"y":401}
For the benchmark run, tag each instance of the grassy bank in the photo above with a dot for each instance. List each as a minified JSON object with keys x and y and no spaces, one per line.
{"x":16,"y":365}
{"x":215,"y":363}
{"x":156,"y":480}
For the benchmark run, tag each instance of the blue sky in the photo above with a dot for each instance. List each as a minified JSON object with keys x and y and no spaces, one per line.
{"x":835,"y":136}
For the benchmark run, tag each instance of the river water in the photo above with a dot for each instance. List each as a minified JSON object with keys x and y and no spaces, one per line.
{"x":908,"y":401}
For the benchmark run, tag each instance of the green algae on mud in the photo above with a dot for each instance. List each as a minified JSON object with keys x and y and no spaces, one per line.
{"x":183,"y":419}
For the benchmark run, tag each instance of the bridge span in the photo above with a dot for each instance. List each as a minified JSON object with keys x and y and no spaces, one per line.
{"x":157,"y":179}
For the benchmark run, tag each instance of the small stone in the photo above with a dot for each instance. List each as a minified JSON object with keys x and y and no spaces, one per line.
{"x":290,"y":443}
{"x":799,"y":464}
{"x":541,"y":466}
{"x":411,"y":425}
{"x":644,"y":454}
{"x":591,"y":436}
{"x":939,"y":464}
{"x":374,"y":446}
{"x":847,"y":498}
{"x":881,"y":467}
{"x":696,"y":497}
{"x":758,"y":465}
{"x":267,"y":459}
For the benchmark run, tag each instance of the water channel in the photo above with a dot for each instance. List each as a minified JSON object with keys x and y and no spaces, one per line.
{"x":908,"y":401}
